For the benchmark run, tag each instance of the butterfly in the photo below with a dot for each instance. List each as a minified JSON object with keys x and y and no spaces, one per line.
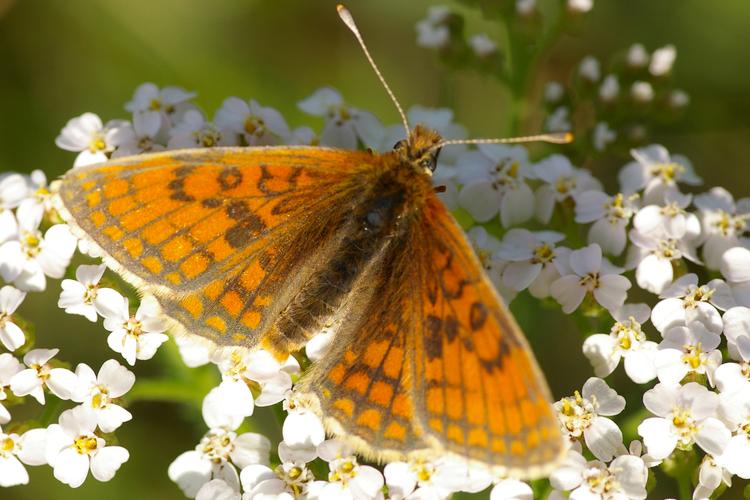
{"x":263,"y":247}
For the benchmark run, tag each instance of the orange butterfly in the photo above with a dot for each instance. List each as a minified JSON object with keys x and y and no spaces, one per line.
{"x":265,"y":246}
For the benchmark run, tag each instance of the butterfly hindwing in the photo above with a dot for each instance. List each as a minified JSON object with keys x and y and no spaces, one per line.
{"x":224,"y":237}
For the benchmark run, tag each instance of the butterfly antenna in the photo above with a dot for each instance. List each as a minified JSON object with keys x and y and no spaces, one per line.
{"x":554,"y":138}
{"x":346,"y":16}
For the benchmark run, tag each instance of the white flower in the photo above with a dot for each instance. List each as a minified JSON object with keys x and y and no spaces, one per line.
{"x":257,"y":125}
{"x":40,"y":374}
{"x":432,"y":33}
{"x":657,"y":173}
{"x":25,"y":261}
{"x":37,"y":203}
{"x":344,"y":125}
{"x":642,"y":92}
{"x":687,"y":349}
{"x":735,"y":266}
{"x":317,"y":347}
{"x":685,"y":302}
{"x":482,"y":45}
{"x":609,"y":89}
{"x":290,"y":479}
{"x":195,"y":351}
{"x":94,"y":140}
{"x":439,"y":478}
{"x":486,"y":247}
{"x":723,"y":222}
{"x":238,"y":365}
{"x":584,"y":415}
{"x":164,"y":104}
{"x":652,"y":255}
{"x":624,"y":478}
{"x":72,"y":449}
{"x":83,"y":295}
{"x":710,"y":476}
{"x":302,"y":429}
{"x":625,"y":340}
{"x":137,"y":336}
{"x":9,"y":366}
{"x":558,"y":120}
{"x":531,"y":260}
{"x":671,"y":218}
{"x":580,"y":6}
{"x":11,"y":335}
{"x":685,"y":415}
{"x":101,"y":392}
{"x":217,"y":489}
{"x":602,"y":136}
{"x":587,"y":273}
{"x":347,"y":479}
{"x":142,"y":137}
{"x":678,"y":99}
{"x":511,"y":489}
{"x":731,"y":377}
{"x":662,"y":60}
{"x":561,"y":181}
{"x":610,"y":215}
{"x":590,"y":69}
{"x":553,"y":92}
{"x":494,"y":179}
{"x":637,"y":56}
{"x":17,"y":450}
{"x":737,"y":332}
{"x":193,"y":131}
{"x":734,"y":411}
{"x":217,"y":456}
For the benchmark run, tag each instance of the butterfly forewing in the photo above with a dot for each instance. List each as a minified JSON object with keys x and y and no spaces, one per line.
{"x":226,"y":238}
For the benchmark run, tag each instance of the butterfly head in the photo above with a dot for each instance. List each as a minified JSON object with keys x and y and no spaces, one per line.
{"x":419,"y":150}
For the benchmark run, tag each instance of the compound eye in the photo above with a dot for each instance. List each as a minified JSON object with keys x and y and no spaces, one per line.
{"x":399,"y":145}
{"x":427,"y":163}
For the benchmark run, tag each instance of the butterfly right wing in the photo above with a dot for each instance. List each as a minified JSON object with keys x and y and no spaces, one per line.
{"x":223,"y":237}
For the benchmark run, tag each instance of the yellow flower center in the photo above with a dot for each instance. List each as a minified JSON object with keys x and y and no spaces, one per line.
{"x":543,"y":254}
{"x":85,"y":445}
{"x":667,"y":171}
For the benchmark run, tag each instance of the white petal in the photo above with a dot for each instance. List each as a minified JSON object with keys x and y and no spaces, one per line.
{"x":250,"y":448}
{"x":604,"y":439}
{"x":71,"y":468}
{"x":667,"y":314}
{"x":62,"y":383}
{"x":253,"y":474}
{"x":33,"y":444}
{"x":481,"y":200}
{"x":399,"y":477}
{"x":302,"y":430}
{"x":612,"y":291}
{"x":608,"y":402}
{"x":568,"y":293}
{"x":661,"y":398}
{"x":713,"y":436}
{"x":657,"y":436}
{"x":11,"y":336}
{"x":639,"y":364}
{"x":519,"y":275}
{"x":654,"y":274}
{"x":511,"y":489}
{"x":587,"y":260}
{"x":600,"y":351}
{"x":107,"y":461}
{"x":228,"y":404}
{"x":190,"y":471}
{"x":735,"y":456}
{"x":12,"y":472}
{"x":217,"y":489}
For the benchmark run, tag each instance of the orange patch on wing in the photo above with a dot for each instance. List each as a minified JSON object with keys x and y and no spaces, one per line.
{"x":336,"y":374}
{"x":435,"y":400}
{"x":216,"y":323}
{"x":369,"y":418}
{"x":252,"y":276}
{"x":394,"y":362}
{"x":134,"y":247}
{"x":114,"y":233}
{"x":98,"y":218}
{"x":153,"y":264}
{"x":381,"y":393}
{"x":251,"y":319}
{"x":192,"y":305}
{"x":174,"y":278}
{"x":395,"y":431}
{"x":115,"y":187}
{"x":477,"y":437}
{"x":194,"y":265}
{"x":157,"y":232}
{"x":375,"y":352}
{"x":121,"y":205}
{"x":232,"y":302}
{"x":93,"y":199}
{"x":357,"y":382}
{"x":176,"y":248}
{"x":455,"y":403}
{"x":344,"y":405}
{"x":475,"y":407}
{"x":455,"y":434}
{"x":401,"y":406}
{"x":214,"y":289}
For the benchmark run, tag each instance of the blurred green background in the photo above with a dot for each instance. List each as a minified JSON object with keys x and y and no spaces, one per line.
{"x":59,"y":59}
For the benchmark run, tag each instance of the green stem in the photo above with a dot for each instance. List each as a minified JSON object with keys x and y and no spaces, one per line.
{"x":685,"y":487}
{"x":50,"y":412}
{"x":165,"y":390}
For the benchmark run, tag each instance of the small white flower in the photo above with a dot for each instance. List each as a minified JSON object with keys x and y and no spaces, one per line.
{"x":734,"y":411}
{"x":678,"y":99}
{"x":511,"y":489}
{"x":652,"y":255}
{"x":637,"y":56}
{"x":609,"y":89}
{"x":100,"y":393}
{"x":494,"y":179}
{"x":587,"y":273}
{"x":164,"y":104}
{"x":684,"y":415}
{"x":553,"y":92}
{"x":735,"y":266}
{"x":671,"y":218}
{"x":687,"y":349}
{"x":193,"y":131}
{"x":348,"y":479}
{"x":610,"y":215}
{"x":561,"y":180}
{"x":11,"y":335}
{"x":137,"y":336}
{"x":17,"y":450}
{"x":657,"y":173}
{"x":724,"y":223}
{"x":345,"y":125}
{"x":317,"y":347}
{"x":27,"y":261}
{"x":217,"y":489}
{"x":195,"y":351}
{"x":737,"y":332}
{"x":558,"y":120}
{"x":83,"y":295}
{"x":584,"y":415}
{"x":38,"y":202}
{"x":662,"y":60}
{"x":9,"y":366}
{"x":482,"y":45}
{"x":531,"y":260}
{"x":40,"y":374}
{"x":624,"y":478}
{"x":685,"y":302}
{"x":642,"y":92}
{"x":93,"y":139}
{"x":290,"y":479}
{"x":142,"y":137}
{"x":625,"y":340}
{"x":217,"y":456}
{"x":731,"y":377}
{"x":432,"y":479}
{"x":590,"y":69}
{"x":603,"y":136}
{"x":580,"y":6}
{"x":710,"y":476}
{"x":257,"y":125}
{"x":72,"y":449}
{"x":302,"y":429}
{"x":432,"y":32}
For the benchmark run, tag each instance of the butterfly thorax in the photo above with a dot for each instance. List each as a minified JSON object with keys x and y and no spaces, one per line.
{"x":419,"y":150}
